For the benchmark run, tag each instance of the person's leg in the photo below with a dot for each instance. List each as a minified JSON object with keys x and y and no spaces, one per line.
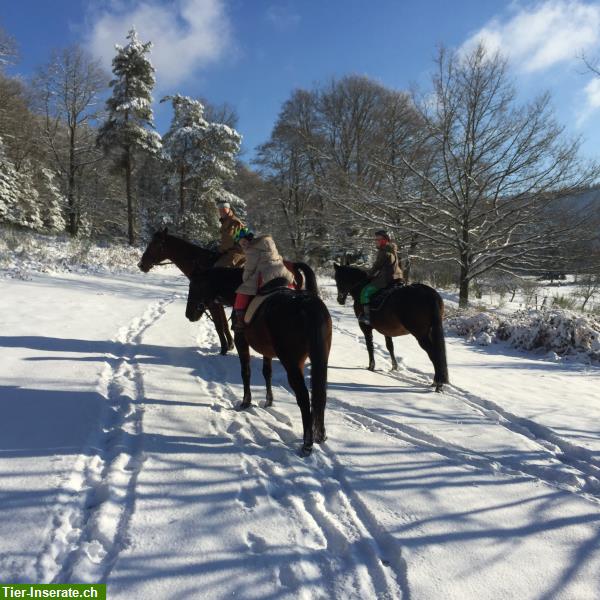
{"x":365,"y":297}
{"x":239,"y":310}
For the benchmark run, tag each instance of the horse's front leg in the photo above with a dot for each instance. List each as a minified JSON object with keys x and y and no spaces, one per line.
{"x":227,"y":332}
{"x":267,"y":370}
{"x":244,"y":353}
{"x":368,"y":333}
{"x":217,"y":312}
{"x":389,"y":344}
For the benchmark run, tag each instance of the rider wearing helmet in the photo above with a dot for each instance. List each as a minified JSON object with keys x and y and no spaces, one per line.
{"x":385,"y":270}
{"x":263,"y":264}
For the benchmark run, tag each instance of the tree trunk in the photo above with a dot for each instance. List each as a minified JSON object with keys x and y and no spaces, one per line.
{"x":181,"y":191}
{"x":71,"y":200}
{"x":463,"y":296}
{"x":130,"y":224}
{"x":463,"y":282}
{"x":408,"y":263}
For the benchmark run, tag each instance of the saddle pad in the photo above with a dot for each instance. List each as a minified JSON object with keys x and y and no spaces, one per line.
{"x":253,"y":307}
{"x":258,"y":300}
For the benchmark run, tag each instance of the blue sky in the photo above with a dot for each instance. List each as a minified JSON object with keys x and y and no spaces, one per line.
{"x":253,"y":53}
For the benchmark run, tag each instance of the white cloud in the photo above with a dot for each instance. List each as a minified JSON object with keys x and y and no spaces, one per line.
{"x":544,"y":35}
{"x":186,"y":35}
{"x":592,"y":100}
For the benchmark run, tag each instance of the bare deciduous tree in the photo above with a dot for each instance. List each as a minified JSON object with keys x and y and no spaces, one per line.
{"x":495,"y":170}
{"x":69,"y":87}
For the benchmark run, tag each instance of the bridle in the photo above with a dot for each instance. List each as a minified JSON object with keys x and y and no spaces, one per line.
{"x":343,"y":296}
{"x":161,"y":246}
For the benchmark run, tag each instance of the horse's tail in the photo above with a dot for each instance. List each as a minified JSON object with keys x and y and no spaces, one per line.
{"x":438,"y":341}
{"x":318,"y":325}
{"x":310,"y":279}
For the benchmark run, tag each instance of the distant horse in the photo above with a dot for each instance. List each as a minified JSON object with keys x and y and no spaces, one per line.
{"x":417,"y":309}
{"x":188,"y":257}
{"x":289,"y":325}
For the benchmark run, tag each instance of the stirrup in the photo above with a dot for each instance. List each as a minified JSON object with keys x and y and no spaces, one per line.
{"x":365,"y":318}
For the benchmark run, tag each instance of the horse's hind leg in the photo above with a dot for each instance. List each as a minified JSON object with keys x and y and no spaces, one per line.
{"x":267,"y":370}
{"x":389,"y":343}
{"x":427,"y":345}
{"x":295,"y":376}
{"x":368,"y":333}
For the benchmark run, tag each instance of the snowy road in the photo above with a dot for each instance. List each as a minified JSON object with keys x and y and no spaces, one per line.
{"x":122,"y":459}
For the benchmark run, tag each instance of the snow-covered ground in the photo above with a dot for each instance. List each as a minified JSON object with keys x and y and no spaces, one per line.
{"x":123,"y":460}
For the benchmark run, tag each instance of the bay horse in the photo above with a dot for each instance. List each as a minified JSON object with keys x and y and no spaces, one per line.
{"x":416,"y":309}
{"x":188,"y":257}
{"x":290,"y":325}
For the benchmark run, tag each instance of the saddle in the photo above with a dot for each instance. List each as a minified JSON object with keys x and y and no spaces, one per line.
{"x":378,"y":300}
{"x":277,"y":285}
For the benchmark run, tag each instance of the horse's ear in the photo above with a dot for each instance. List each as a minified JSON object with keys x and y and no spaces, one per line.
{"x":336,"y":266}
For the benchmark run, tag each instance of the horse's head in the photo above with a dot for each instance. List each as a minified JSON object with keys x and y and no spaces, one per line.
{"x":200,"y":294}
{"x":348,"y":280}
{"x":155,"y":252}
{"x":342,"y":289}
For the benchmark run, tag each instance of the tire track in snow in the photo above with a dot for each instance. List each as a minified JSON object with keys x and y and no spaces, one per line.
{"x":355,"y":554}
{"x":89,"y":527}
{"x":570,"y":467}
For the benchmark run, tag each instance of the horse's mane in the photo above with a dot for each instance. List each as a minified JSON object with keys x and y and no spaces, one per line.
{"x":352,"y":270}
{"x":196,"y":248}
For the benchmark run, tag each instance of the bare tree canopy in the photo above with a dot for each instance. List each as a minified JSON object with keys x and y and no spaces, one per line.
{"x":8,"y":49}
{"x":68,"y":88}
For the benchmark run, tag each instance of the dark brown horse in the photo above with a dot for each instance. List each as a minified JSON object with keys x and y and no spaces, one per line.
{"x":188,"y":257}
{"x":417,"y":309}
{"x":290,"y":325}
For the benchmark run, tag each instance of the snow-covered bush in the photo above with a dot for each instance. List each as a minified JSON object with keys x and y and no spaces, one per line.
{"x":470,"y":326}
{"x":560,"y":331}
{"x":553,"y":331}
{"x":22,"y":252}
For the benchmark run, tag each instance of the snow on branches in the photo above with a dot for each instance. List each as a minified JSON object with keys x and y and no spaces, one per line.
{"x":200,"y":156}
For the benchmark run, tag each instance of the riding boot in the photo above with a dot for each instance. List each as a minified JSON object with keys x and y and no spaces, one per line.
{"x":365,"y":318}
{"x":238,"y":320}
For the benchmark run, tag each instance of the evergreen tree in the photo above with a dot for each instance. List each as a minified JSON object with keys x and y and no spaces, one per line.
{"x":51,"y":200}
{"x":9,"y":186}
{"x":200,"y":156}
{"x":125,"y":132}
{"x":19,"y":198}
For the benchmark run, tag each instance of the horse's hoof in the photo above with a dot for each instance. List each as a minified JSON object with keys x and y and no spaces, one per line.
{"x":438,"y":387}
{"x":320,"y":437}
{"x":244,"y":405}
{"x":305,"y":450}
{"x":224,"y":351}
{"x":371,"y":368}
{"x":268,"y":402}
{"x":394,"y":366}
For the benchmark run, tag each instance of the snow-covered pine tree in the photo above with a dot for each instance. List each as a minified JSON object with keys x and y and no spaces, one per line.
{"x":200,"y":157}
{"x":18,"y":195}
{"x":9,"y":186}
{"x":51,"y":200}
{"x":127,"y":130}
